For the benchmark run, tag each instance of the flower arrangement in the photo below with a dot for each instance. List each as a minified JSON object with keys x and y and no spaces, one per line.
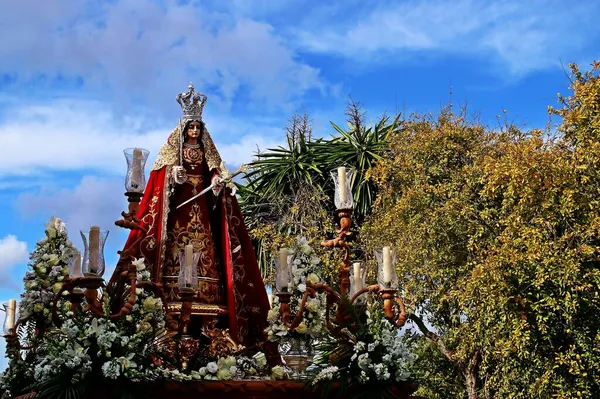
{"x":49,"y":266}
{"x":305,"y":267}
{"x":85,"y":351}
{"x":223,"y":368}
{"x":365,"y":351}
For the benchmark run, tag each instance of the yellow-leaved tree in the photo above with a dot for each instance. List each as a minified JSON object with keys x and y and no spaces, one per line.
{"x":497,"y":235}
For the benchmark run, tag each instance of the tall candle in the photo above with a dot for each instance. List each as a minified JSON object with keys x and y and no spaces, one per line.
{"x":136,"y":171}
{"x":11,"y":311}
{"x":387,"y":265}
{"x":189,"y":263}
{"x":357,"y":277}
{"x":94,"y":248}
{"x":342,"y":184}
{"x":283,"y":256}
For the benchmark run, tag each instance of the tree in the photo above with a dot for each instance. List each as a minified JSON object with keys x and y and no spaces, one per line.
{"x":497,"y":237}
{"x":428,"y":185}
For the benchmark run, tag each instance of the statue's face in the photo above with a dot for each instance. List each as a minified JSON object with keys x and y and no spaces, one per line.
{"x":194,"y":130}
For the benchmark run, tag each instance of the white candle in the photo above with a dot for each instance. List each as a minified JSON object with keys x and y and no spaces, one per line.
{"x":387,"y":265}
{"x":11,"y":311}
{"x":94,"y":248}
{"x":283,"y":256}
{"x":189,"y":262}
{"x":357,"y":277}
{"x":136,"y":171}
{"x":342,"y":184}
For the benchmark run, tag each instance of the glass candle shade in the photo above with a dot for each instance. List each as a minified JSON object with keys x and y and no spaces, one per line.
{"x":10,"y":318}
{"x":93,"y":257}
{"x":135,"y":179}
{"x":283,"y":279}
{"x":342,"y":178}
{"x":386,"y":260}
{"x":188,"y":269}
{"x":74,"y":261}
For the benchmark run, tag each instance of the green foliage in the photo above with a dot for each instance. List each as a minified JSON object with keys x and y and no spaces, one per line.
{"x":289,"y":190}
{"x":497,"y":236}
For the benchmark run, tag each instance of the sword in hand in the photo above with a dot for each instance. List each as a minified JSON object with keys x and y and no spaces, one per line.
{"x":227,"y":180}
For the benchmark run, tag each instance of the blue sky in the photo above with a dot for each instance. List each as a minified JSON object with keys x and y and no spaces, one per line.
{"x":82,"y":80}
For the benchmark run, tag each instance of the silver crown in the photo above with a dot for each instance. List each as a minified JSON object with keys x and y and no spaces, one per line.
{"x":192,"y":104}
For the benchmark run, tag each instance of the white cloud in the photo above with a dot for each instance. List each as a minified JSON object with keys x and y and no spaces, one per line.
{"x":12,"y":253}
{"x":73,"y":135}
{"x":523,"y":36}
{"x":142,"y":51}
{"x":94,"y":201}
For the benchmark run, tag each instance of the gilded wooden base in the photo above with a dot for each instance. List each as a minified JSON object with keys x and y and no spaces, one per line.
{"x":249,"y":389}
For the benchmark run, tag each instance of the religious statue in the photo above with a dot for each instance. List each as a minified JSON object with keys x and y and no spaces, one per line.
{"x":230,"y":289}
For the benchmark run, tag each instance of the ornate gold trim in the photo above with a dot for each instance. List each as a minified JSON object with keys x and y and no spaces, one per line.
{"x":200,"y":309}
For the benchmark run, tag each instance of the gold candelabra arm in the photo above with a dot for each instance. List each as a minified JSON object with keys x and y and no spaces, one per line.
{"x":345,"y":216}
{"x":285,"y":311}
{"x":133,"y":198}
{"x":94,"y":304}
{"x":389,"y":296}
{"x":185,"y":317}
{"x":127,"y":307}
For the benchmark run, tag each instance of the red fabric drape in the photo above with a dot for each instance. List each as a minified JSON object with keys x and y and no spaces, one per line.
{"x":247,"y":301}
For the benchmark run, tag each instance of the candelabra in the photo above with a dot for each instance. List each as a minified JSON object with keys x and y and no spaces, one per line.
{"x":388,"y":281}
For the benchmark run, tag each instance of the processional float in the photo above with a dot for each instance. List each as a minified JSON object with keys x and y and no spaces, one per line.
{"x":87,"y":292}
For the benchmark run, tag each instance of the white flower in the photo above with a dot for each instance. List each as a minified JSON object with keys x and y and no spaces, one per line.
{"x":313,"y":278}
{"x":111,"y":369}
{"x":277,"y":373}
{"x":364,"y":361}
{"x":230,"y":361}
{"x":212,"y":367}
{"x":260,"y":359}
{"x":202,"y":371}
{"x":312,"y":305}
{"x":59,"y":225}
{"x":404,"y":376}
{"x":151,"y":304}
{"x":223,"y":374}
{"x":302,"y":329}
{"x":139,"y":264}
{"x":273,"y":315}
{"x":328,"y":373}
{"x":302,"y":287}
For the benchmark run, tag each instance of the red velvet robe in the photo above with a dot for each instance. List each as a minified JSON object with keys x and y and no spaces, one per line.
{"x":234,"y":264}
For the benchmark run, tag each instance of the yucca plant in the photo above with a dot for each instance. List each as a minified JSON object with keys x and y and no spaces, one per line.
{"x":277,"y":186}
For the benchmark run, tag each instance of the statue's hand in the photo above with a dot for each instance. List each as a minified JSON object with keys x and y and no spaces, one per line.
{"x":179,"y":174}
{"x":218,"y":185}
